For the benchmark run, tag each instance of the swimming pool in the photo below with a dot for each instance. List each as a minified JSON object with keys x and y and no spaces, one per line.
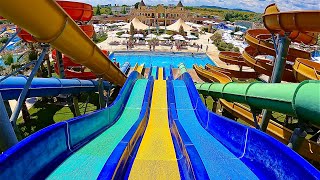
{"x":161,"y":59}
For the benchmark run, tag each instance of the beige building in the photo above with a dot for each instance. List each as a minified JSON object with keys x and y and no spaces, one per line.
{"x":160,"y":15}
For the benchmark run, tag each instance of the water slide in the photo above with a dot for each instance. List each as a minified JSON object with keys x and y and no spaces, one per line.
{"x":11,"y":87}
{"x":64,"y":35}
{"x":302,"y":30}
{"x":133,"y":135}
{"x":233,"y":73}
{"x":75,"y":149}
{"x":309,"y":149}
{"x":302,"y":69}
{"x":143,"y":135}
{"x":40,"y":87}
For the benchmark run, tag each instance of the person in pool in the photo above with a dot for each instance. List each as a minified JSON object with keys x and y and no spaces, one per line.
{"x":192,"y":54}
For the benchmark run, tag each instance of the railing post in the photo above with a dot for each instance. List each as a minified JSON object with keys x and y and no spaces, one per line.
{"x":278,"y":69}
{"x":7,"y":136}
{"x":101,"y":95}
{"x":24,"y":92}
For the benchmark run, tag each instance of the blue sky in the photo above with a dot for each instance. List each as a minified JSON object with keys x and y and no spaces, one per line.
{"x":253,"y":5}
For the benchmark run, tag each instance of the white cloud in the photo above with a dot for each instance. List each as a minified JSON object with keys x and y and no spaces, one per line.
{"x":253,"y":5}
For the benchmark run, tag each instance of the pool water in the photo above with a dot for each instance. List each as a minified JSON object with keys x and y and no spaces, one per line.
{"x":162,"y":59}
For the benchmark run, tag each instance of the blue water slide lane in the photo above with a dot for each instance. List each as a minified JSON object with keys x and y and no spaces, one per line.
{"x":264,"y":155}
{"x":217,"y":159}
{"x":150,"y":71}
{"x":30,"y":158}
{"x":123,"y":155}
{"x":125,"y":68}
{"x":190,"y":164}
{"x":154,"y":72}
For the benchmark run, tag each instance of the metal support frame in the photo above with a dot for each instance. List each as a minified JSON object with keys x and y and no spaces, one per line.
{"x":24,"y":92}
{"x":8,"y":137}
{"x":76,"y":105}
{"x":214,"y":104}
{"x":47,"y":59}
{"x":86,"y":105}
{"x":60,"y":64}
{"x":278,"y":69}
{"x":297,"y":138}
{"x":101,"y":95}
{"x":9,"y":40}
{"x":108,"y":95}
{"x":254,"y":115}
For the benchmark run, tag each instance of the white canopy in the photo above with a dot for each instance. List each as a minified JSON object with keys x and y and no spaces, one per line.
{"x":152,"y":36}
{"x":194,"y":25}
{"x":191,"y":37}
{"x":181,"y":38}
{"x":176,"y":26}
{"x":137,"y":24}
{"x":165,"y":35}
{"x":177,"y":36}
{"x":125,"y":36}
{"x":138,"y":36}
{"x":238,"y":33}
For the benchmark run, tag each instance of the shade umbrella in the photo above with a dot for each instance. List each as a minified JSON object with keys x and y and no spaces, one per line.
{"x":125,"y":36}
{"x":152,"y":36}
{"x":180,"y":38}
{"x":166,"y":35}
{"x":191,"y":37}
{"x":138,"y":36}
{"x":177,"y":36}
{"x":162,"y":39}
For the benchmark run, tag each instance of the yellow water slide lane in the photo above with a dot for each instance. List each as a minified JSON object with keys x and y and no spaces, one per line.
{"x":160,"y":73}
{"x":139,"y":68}
{"x":156,"y":158}
{"x":49,"y":23}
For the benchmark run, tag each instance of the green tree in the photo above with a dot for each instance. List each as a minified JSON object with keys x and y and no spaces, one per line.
{"x":124,"y":10}
{"x":131,"y":29}
{"x":8,"y":59}
{"x":216,"y":37}
{"x":98,"y":10}
{"x":136,"y":5}
{"x":181,"y":30}
{"x":4,"y":40}
{"x":230,"y":46}
{"x":236,"y":49}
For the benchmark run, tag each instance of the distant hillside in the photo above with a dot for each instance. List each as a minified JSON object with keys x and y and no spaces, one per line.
{"x":217,"y":7}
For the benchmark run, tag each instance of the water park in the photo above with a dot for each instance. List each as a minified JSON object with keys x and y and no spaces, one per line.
{"x":168,"y":106}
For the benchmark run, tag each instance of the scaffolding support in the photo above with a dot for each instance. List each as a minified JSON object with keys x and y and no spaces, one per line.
{"x":26,"y":87}
{"x":8,"y":137}
{"x":278,"y":69}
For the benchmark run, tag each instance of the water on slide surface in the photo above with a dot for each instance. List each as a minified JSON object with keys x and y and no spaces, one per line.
{"x":219,"y":162}
{"x":88,"y":161}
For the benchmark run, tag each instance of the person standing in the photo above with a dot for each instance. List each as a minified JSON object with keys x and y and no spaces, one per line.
{"x":207,"y":48}
{"x":198,"y":47}
{"x":201,"y":46}
{"x":208,"y":40}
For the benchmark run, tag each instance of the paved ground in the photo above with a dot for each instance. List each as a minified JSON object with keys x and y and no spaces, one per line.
{"x":30,"y":102}
{"x":203,"y":39}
